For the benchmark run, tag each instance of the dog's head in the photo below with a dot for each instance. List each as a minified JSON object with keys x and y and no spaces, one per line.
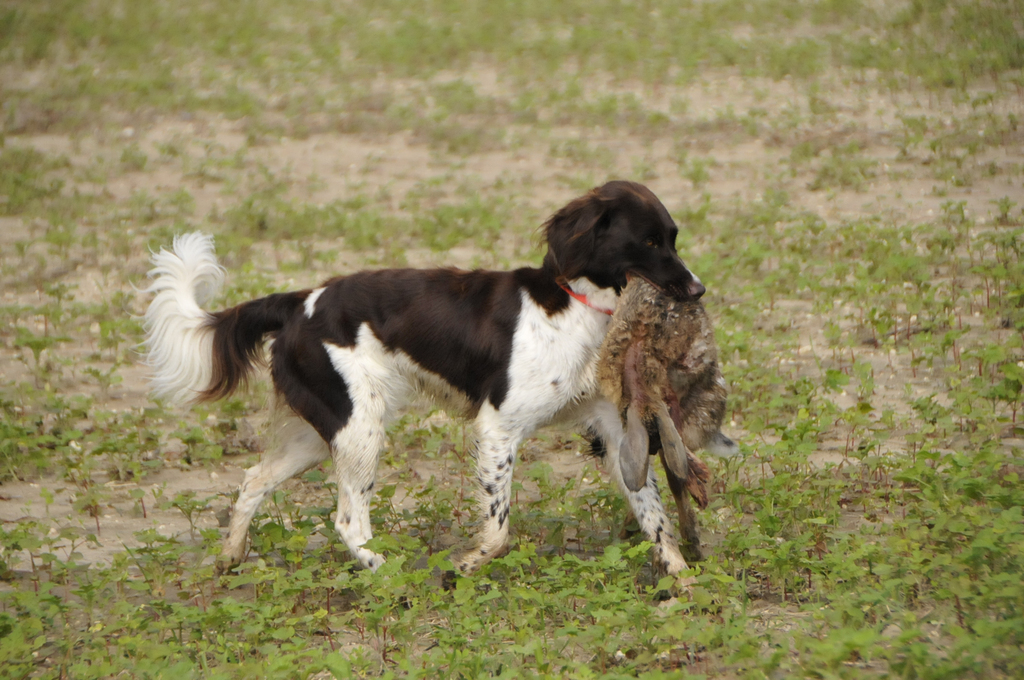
{"x":615,"y":231}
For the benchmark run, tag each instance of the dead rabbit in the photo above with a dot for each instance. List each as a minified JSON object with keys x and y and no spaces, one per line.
{"x":659,"y":365}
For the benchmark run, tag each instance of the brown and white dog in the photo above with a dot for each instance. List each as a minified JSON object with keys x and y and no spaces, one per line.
{"x":513,"y":351}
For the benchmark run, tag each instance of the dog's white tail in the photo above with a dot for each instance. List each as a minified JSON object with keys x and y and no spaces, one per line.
{"x":179,"y":339}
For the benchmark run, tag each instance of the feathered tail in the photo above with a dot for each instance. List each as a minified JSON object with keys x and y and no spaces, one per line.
{"x":179,"y":335}
{"x":196,"y":355}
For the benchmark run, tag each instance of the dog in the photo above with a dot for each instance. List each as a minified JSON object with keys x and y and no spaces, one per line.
{"x":659,"y":366}
{"x":512,"y":351}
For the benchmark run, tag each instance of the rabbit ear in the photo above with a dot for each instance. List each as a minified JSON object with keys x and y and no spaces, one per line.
{"x":675,"y":453}
{"x":634,"y":451}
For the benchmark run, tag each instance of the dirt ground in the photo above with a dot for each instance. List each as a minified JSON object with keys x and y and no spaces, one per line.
{"x":325,"y":167}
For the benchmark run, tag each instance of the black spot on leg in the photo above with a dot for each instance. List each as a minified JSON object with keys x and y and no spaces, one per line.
{"x":494,"y":507}
{"x":490,"y":489}
{"x":483,"y":553}
{"x":502,"y":517}
{"x":368,"y":489}
{"x":347,"y":520}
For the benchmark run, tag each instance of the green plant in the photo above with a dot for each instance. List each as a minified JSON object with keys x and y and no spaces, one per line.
{"x":198,"y":447}
{"x":844,"y":168}
{"x":25,"y":180}
{"x":37,"y":344}
{"x":133,"y":158}
{"x":1004,"y":205}
{"x":189,"y":506}
{"x":872,"y":342}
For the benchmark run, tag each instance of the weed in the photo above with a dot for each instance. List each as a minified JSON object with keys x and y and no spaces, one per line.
{"x":133,"y":159}
{"x":189,"y":506}
{"x":198,"y":448}
{"x":844,"y":168}
{"x":24,"y":178}
{"x":873,"y":344}
{"x":695,"y":169}
{"x":1004,"y":205}
{"x":579,"y":152}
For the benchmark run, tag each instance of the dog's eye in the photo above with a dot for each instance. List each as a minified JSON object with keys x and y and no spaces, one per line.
{"x":651,"y":243}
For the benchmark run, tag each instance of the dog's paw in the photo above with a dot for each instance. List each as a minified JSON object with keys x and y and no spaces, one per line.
{"x":468,"y":562}
{"x":667,"y":560}
{"x":471,"y":560}
{"x":683,"y":586}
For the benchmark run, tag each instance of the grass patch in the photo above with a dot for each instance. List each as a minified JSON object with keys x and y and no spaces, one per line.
{"x":141,"y":57}
{"x":24,"y":179}
{"x":871,"y":526}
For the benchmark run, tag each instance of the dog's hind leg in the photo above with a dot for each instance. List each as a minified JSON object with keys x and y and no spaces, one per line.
{"x":295,"y":447}
{"x":371,"y":390}
{"x":356,"y":448}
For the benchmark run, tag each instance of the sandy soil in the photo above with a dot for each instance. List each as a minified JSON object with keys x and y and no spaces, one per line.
{"x":331,"y":166}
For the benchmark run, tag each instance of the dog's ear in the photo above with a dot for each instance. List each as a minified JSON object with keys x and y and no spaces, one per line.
{"x":634,"y":452}
{"x":572,"y":234}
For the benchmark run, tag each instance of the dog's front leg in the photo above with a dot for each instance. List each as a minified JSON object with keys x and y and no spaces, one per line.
{"x":650,"y":514}
{"x":645,"y":503}
{"x":495,"y":457}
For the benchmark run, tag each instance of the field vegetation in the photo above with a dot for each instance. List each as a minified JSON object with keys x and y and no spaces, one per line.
{"x":849,"y":179}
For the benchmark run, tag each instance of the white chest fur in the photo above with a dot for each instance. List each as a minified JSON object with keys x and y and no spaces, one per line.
{"x":553,"y":360}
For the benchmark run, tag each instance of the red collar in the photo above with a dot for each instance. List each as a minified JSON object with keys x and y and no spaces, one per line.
{"x":584,"y":300}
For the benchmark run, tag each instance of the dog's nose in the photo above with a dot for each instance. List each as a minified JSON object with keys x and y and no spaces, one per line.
{"x":695,"y":289}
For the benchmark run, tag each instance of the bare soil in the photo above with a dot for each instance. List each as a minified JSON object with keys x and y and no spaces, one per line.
{"x":742,"y":166}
